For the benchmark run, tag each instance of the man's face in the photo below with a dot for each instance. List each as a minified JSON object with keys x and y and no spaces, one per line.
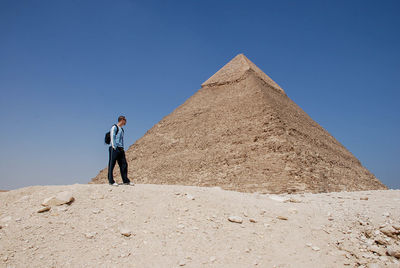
{"x":123,"y":122}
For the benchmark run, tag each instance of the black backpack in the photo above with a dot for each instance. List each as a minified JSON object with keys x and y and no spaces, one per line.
{"x":107,"y":138}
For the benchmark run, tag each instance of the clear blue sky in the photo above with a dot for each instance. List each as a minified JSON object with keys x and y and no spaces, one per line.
{"x":69,"y":68}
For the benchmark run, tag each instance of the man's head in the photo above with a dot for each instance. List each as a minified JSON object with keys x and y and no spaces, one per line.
{"x":121,"y":121}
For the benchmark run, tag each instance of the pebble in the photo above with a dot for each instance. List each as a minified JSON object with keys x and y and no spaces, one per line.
{"x":389,"y":231}
{"x":283,"y":218}
{"x":90,"y":235}
{"x":235,"y":219}
{"x":386,"y":214}
{"x":182,"y":263}
{"x":43,"y":209}
{"x":96,"y":211}
{"x":125,"y":231}
{"x":213,"y":259}
{"x":292,"y":200}
{"x":364,"y":198}
{"x":58,"y":200}
{"x":252,"y":220}
{"x":315,"y":248}
{"x":394,"y":251}
{"x":190,"y":197}
{"x":380,"y":241}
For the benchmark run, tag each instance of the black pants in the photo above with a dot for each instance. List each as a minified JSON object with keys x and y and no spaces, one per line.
{"x":117,"y":155}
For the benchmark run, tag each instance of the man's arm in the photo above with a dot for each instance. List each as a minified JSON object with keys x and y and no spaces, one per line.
{"x":112,"y":135}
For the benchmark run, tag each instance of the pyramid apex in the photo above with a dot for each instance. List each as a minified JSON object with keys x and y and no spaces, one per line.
{"x":236,"y":70}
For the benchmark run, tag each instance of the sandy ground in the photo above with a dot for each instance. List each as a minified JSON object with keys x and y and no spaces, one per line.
{"x":184,"y":226}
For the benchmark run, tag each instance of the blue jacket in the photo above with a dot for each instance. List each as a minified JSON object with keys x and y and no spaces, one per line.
{"x":117,"y":140}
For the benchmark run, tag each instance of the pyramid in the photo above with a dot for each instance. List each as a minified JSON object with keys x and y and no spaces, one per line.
{"x":241,"y":132}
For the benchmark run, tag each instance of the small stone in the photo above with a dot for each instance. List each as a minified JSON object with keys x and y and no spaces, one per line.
{"x":43,"y":209}
{"x":380,"y":241}
{"x":96,"y":211}
{"x":396,"y":226}
{"x":58,"y":200}
{"x":315,"y":248}
{"x":292,"y":200}
{"x":364,"y":198}
{"x":252,"y":220}
{"x":190,"y":197}
{"x":181,"y":226}
{"x":394,"y":251}
{"x":182,"y":263}
{"x":283,"y":218}
{"x":386,"y":214}
{"x":235,"y":219}
{"x":125,"y":232}
{"x":308,"y":244}
{"x":389,"y":231}
{"x":213,"y":259}
{"x":18,"y":219}
{"x":90,"y":235}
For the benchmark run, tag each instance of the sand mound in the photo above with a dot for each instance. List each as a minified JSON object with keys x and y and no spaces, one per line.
{"x":174,"y":226}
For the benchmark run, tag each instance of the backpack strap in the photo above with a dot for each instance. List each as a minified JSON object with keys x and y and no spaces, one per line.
{"x":117,"y":129}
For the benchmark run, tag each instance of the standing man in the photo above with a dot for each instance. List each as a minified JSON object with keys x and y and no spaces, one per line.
{"x":117,"y":153}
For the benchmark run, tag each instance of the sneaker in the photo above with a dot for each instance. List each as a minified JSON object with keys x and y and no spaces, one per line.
{"x":129,"y":183}
{"x":114,"y":184}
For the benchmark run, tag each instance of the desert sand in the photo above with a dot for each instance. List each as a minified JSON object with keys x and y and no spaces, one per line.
{"x":186,"y":226}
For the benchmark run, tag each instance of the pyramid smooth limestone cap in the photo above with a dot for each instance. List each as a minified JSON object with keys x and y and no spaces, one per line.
{"x":236,"y":70}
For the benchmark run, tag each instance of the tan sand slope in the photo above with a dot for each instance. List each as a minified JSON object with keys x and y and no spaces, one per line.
{"x":241,"y":132}
{"x":182,"y":226}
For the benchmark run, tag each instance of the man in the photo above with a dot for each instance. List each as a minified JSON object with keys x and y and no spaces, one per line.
{"x":117,"y":153}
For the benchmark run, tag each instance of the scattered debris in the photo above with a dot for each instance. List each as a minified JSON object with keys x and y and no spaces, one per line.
{"x":235,"y":219}
{"x":43,"y":209}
